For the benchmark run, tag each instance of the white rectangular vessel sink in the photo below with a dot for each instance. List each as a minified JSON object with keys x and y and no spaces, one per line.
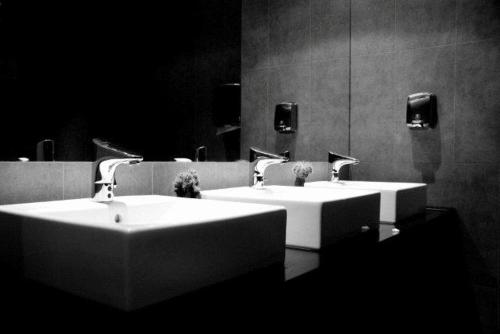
{"x":315,"y":217}
{"x":398,"y":200}
{"x":139,"y":250}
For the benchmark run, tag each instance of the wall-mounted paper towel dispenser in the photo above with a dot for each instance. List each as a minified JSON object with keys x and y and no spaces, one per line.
{"x":421,"y":111}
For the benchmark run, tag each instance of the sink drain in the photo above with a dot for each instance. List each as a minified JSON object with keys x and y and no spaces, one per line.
{"x":118,"y":219}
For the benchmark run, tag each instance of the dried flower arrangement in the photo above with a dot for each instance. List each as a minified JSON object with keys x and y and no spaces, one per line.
{"x":187,"y":184}
{"x":302,"y":169}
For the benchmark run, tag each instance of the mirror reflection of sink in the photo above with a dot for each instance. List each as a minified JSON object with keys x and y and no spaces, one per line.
{"x":140,"y":250}
{"x":397,"y":201}
{"x":315,"y":217}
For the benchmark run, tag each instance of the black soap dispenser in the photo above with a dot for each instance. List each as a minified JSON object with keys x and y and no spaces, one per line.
{"x":421,"y":111}
{"x":285,"y":117}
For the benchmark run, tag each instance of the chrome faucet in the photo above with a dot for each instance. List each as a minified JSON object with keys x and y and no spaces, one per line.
{"x":263,"y":160}
{"x":103,"y":171}
{"x":338,"y":161}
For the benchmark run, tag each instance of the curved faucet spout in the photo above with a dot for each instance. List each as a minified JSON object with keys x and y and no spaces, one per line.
{"x":338,"y":161}
{"x":263,"y":160}
{"x":104,"y":169}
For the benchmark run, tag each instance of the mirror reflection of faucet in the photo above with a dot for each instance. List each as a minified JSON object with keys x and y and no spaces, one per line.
{"x":262,"y":160}
{"x":338,"y":161}
{"x":200,"y":154}
{"x":109,"y":157}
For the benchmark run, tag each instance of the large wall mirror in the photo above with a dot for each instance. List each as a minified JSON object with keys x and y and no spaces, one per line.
{"x":158,"y":77}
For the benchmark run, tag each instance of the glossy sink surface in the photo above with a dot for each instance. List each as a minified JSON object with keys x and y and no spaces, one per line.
{"x":140,"y":250}
{"x":398,"y":200}
{"x":315,"y":217}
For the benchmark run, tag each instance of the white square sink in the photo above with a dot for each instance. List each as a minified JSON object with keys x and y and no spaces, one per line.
{"x":140,"y":250}
{"x":398,"y":200}
{"x":315,"y":217}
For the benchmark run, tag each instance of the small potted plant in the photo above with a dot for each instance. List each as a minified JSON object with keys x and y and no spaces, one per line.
{"x":187,"y":184}
{"x":302,"y":169}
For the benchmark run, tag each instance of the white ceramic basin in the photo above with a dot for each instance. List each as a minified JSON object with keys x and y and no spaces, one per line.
{"x":140,"y":250}
{"x":315,"y":217}
{"x":397,"y":201}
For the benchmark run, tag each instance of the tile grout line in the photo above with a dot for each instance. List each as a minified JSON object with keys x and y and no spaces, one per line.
{"x":63,"y":183}
{"x":394,"y":60}
{"x":309,"y":100}
{"x":268,"y":74}
{"x":152,"y":178}
{"x":394,"y":57}
{"x":394,"y":49}
{"x":298,"y":63}
{"x":455,"y":82}
{"x":350,"y":82}
{"x":367,"y":54}
{"x":491,"y":39}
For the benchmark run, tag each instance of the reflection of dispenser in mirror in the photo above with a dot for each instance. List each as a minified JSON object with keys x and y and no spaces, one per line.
{"x":45,"y":150}
{"x":226,"y":112}
{"x":421,"y":111}
{"x":285,"y":117}
{"x":227,"y":105}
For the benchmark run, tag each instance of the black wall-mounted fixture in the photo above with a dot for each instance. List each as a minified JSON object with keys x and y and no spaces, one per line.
{"x":421,"y":111}
{"x":285,"y":117}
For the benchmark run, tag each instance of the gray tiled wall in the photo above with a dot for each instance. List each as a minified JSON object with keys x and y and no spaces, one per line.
{"x":283,"y":174}
{"x":37,"y":181}
{"x":453,"y":53}
{"x":49,"y":181}
{"x":212,"y":175}
{"x":296,"y":51}
{"x":354,"y":101}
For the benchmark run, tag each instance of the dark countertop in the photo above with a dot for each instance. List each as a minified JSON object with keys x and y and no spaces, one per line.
{"x":410,"y":277}
{"x":299,"y":262}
